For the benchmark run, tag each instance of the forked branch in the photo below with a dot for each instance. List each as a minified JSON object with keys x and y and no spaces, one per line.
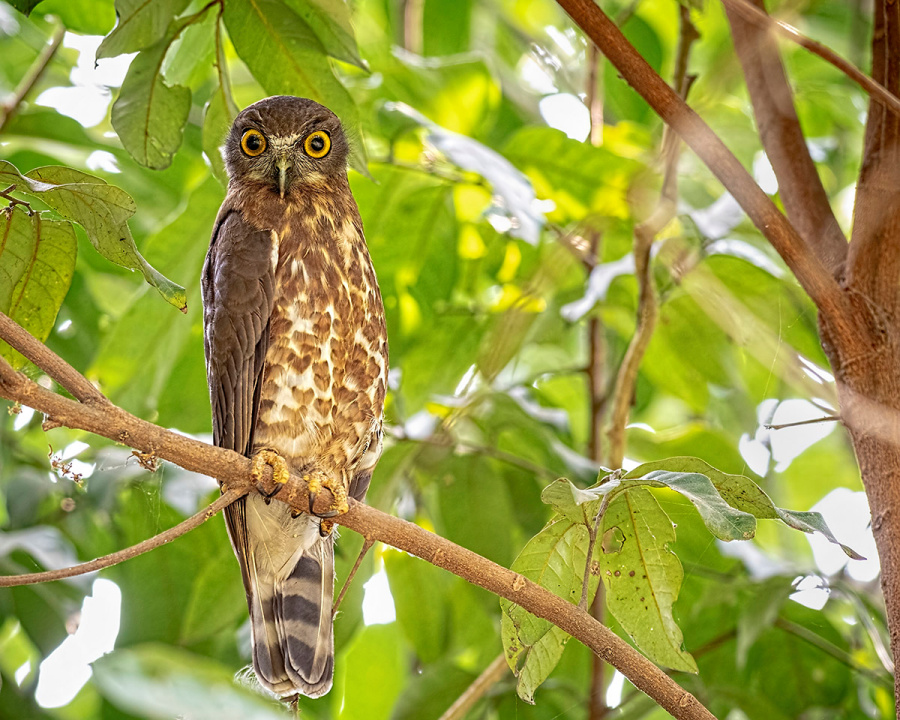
{"x":813,"y":276}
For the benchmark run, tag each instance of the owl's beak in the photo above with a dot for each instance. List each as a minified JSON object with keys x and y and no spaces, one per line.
{"x":284,"y":165}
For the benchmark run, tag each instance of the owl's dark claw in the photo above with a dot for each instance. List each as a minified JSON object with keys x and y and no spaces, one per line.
{"x":280,"y":472}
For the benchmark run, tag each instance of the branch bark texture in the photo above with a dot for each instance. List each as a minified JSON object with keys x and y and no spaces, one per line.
{"x":799,"y":186}
{"x":233,"y":473}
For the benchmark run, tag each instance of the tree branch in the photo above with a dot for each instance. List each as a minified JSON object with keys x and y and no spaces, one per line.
{"x":115,"y":558}
{"x":233,"y":473}
{"x":34,"y":74}
{"x":874,"y":262}
{"x":472,"y":694}
{"x":799,"y":185}
{"x":751,"y":13}
{"x":812,"y":275}
{"x":51,"y":363}
{"x":644,"y":235}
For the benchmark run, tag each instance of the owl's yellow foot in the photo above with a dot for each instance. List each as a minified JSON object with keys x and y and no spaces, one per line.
{"x":280,"y":472}
{"x":317,"y":480}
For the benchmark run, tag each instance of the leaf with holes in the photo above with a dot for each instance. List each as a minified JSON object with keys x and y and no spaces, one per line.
{"x":643,"y":577}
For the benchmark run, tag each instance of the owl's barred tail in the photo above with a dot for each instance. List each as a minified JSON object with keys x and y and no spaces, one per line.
{"x":293,"y":638}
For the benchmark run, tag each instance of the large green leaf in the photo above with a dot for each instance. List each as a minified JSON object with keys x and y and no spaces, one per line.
{"x":643,"y":577}
{"x":37,"y":260}
{"x":287,"y":58}
{"x":330,"y":21}
{"x":554,"y":559}
{"x":158,"y":681}
{"x":149,"y":115}
{"x":102,"y":210}
{"x":742,"y":493}
{"x":142,"y":23}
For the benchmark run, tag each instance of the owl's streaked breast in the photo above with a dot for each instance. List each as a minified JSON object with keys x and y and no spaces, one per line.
{"x":324,"y":383}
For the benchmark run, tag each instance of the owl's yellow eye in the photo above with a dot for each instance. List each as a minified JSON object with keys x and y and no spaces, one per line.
{"x":253,"y":142}
{"x":317,"y":144}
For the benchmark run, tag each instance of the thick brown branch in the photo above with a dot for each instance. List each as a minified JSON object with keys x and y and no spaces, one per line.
{"x":115,"y":558}
{"x":799,"y":185}
{"x":233,"y":473}
{"x":812,"y":275}
{"x":57,"y":368}
{"x":874,"y":262}
{"x":751,"y":13}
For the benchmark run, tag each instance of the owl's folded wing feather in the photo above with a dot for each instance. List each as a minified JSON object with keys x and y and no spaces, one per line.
{"x":238,"y":286}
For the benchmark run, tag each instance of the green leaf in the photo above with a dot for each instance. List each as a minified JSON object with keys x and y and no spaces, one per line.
{"x":554,"y":559}
{"x":576,"y":504}
{"x":742,"y":493}
{"x":759,"y":612}
{"x":101,"y":209}
{"x":722,"y":520}
{"x":377,"y":684}
{"x":535,"y":662}
{"x":217,"y":117}
{"x":149,"y":115}
{"x":330,"y":21}
{"x":643,"y":578}
{"x":190,"y":55}
{"x":158,"y":681}
{"x":89,"y":17}
{"x":37,"y":260}
{"x":142,"y":23}
{"x":287,"y":58}
{"x":578,"y":177}
{"x":420,"y":597}
{"x":217,"y":600}
{"x":24,"y":6}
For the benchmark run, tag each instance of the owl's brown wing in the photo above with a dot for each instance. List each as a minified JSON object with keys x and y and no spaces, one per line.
{"x":238,"y":286}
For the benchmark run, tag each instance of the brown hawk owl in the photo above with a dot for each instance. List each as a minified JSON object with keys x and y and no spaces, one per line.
{"x":296,"y":354}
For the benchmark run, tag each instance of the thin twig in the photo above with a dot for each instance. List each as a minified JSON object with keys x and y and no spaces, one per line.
{"x":359,"y":558}
{"x":644,"y":235}
{"x":142,"y":547}
{"x":833,"y":650}
{"x":57,"y":368}
{"x":593,"y":532}
{"x":233,"y":472}
{"x":11,"y":106}
{"x":479,"y":687}
{"x":875,"y":89}
{"x":828,"y":418}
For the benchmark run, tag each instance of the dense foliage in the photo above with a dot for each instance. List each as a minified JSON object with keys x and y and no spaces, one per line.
{"x":500,"y":244}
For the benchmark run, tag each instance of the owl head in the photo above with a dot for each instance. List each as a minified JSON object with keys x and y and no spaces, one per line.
{"x":284,"y":142}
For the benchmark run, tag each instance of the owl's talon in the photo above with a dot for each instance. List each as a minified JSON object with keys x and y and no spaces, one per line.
{"x":317,"y":481}
{"x":280,"y":472}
